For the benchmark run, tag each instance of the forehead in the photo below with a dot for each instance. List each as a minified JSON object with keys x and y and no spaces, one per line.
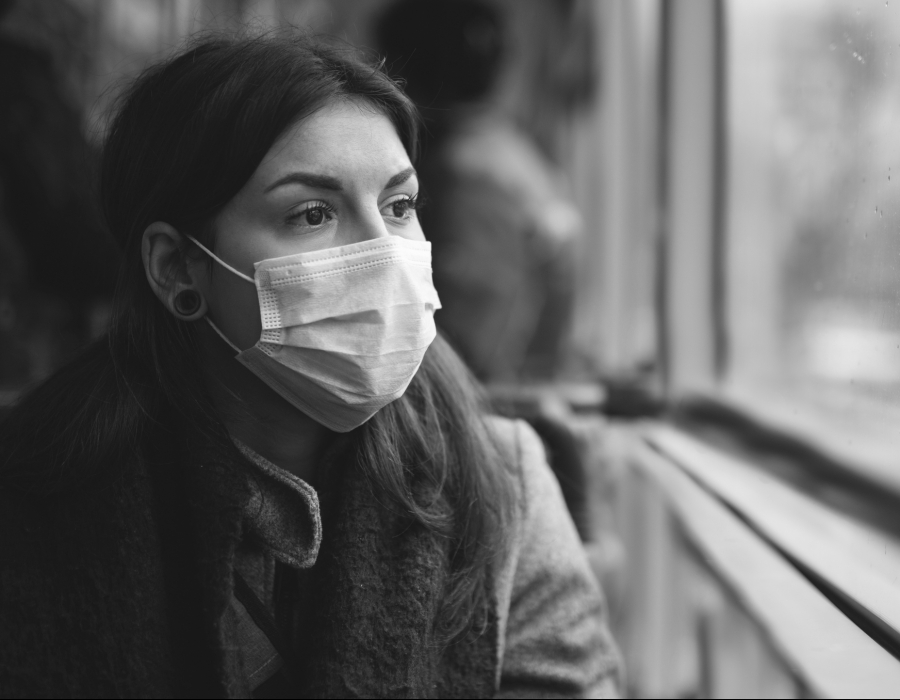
{"x":344,"y":139}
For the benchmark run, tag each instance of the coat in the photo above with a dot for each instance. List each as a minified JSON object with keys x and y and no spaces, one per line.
{"x":122,"y":588}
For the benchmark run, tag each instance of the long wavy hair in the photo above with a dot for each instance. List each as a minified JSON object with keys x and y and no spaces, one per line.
{"x":186,"y":136}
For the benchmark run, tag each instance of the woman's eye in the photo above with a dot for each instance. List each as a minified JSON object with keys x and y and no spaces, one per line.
{"x":314,"y":215}
{"x":401,"y":208}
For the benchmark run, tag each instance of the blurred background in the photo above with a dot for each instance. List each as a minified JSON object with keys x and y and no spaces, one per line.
{"x":666,"y":232}
{"x":538,"y":62}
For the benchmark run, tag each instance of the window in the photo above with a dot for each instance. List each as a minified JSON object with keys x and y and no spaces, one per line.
{"x":813,"y":231}
{"x":779,"y":302}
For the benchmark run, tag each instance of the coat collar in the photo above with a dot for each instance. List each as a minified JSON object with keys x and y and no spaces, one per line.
{"x":373,"y":595}
{"x":282,"y":514}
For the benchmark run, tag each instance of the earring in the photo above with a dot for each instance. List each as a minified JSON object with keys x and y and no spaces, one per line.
{"x":187,"y":302}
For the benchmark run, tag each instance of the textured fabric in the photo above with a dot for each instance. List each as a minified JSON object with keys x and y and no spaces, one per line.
{"x":282,"y":516}
{"x":282,"y":523}
{"x":123,"y":589}
{"x":259,"y":658}
{"x":77,"y":579}
{"x":554,"y":641}
{"x":380,"y":582}
{"x":552,"y":638}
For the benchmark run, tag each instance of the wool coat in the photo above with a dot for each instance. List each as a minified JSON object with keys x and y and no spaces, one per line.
{"x":122,"y":588}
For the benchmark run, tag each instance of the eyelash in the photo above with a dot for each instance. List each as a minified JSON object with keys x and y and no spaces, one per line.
{"x":325,"y":207}
{"x":414,"y":202}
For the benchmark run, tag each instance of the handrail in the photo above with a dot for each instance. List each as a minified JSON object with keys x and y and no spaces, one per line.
{"x":831,"y":654}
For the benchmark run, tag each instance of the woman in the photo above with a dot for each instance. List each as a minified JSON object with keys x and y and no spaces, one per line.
{"x":272,"y":478}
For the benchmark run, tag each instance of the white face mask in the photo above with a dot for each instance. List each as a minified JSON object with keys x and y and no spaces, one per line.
{"x":344,"y":329}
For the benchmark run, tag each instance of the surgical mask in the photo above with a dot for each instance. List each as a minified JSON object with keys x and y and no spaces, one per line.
{"x":344,"y":330}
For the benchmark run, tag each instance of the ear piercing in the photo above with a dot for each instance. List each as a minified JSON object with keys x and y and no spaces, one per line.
{"x":187,"y":302}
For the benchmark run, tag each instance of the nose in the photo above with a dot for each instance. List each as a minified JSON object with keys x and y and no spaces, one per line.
{"x":367,"y":225}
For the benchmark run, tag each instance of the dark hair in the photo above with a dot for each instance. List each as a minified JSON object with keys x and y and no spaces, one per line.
{"x":187,"y":136}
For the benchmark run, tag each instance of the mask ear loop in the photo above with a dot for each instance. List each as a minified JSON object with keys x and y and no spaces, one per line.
{"x":220,"y":261}
{"x":222,"y":335}
{"x":230,"y":269}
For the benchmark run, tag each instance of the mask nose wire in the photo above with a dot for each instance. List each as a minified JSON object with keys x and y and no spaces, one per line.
{"x":220,"y":261}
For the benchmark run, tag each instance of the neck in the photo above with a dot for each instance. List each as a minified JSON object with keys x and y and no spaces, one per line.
{"x":260,"y":418}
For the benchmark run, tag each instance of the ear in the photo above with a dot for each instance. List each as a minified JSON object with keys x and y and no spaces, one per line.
{"x":171,"y":271}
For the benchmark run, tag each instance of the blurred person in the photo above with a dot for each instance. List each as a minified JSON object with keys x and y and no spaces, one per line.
{"x":504,"y":236}
{"x":57,"y":268}
{"x":273,"y":477}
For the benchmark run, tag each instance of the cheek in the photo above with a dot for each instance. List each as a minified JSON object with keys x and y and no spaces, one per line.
{"x":234,"y":308}
{"x":411,"y":231}
{"x":417,"y":233}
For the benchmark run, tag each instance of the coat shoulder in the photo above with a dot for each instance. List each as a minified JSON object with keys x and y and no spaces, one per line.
{"x":554,"y":637}
{"x":522,"y":450}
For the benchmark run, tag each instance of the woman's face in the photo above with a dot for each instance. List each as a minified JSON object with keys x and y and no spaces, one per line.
{"x":339,"y":176}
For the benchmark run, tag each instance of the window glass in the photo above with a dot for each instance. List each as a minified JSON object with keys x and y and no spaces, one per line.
{"x":813,"y":230}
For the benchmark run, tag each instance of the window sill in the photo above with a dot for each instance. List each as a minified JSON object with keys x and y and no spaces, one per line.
{"x":829,"y":652}
{"x":858,"y":565}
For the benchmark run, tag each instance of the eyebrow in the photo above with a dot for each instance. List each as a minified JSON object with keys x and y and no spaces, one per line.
{"x":321,"y":182}
{"x":326,"y":182}
{"x":400,"y":178}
